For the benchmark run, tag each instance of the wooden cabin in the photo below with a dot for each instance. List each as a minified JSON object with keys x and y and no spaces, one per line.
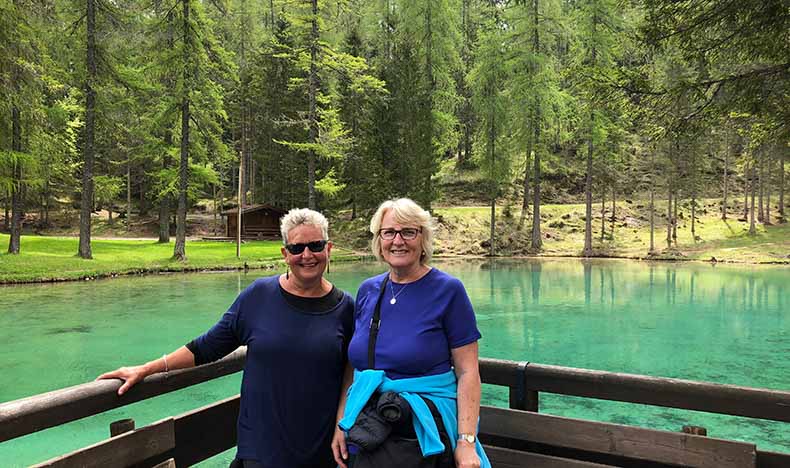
{"x":257,"y":222}
{"x":518,"y":436}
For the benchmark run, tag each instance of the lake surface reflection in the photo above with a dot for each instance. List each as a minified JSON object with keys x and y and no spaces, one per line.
{"x":722,"y":323}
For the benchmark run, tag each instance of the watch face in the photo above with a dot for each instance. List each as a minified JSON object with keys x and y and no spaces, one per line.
{"x":467,"y":437}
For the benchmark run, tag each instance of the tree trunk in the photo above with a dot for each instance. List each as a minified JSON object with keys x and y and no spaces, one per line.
{"x":47,"y":197}
{"x":587,"y":252}
{"x":86,"y":207}
{"x":761,"y":189}
{"x":675,"y":219}
{"x":41,"y":211}
{"x":767,"y":183}
{"x":652,"y":204}
{"x":179,"y":251}
{"x":312,"y":116}
{"x":492,"y":155}
{"x":614,"y":208}
{"x":128,"y":193}
{"x":782,"y":189}
{"x":603,"y":213}
{"x":214,"y":198}
{"x":427,"y":168}
{"x":17,"y":198}
{"x":165,"y":201}
{"x":249,"y":180}
{"x":726,"y":167}
{"x":463,"y":87}
{"x":588,"y":178}
{"x":491,"y":248}
{"x":164,"y":219}
{"x":525,"y":200}
{"x":669,"y":216}
{"x":693,"y":216}
{"x":143,"y":205}
{"x":752,"y":229}
{"x":537,"y":242}
{"x":16,"y":189}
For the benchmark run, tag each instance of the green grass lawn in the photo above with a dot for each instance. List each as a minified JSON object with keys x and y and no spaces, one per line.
{"x":54,"y":258}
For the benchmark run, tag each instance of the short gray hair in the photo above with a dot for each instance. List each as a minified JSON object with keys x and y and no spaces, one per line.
{"x":406,"y":212}
{"x":303,"y":217}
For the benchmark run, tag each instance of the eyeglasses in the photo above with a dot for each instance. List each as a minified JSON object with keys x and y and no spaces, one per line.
{"x":315,"y":247}
{"x":405,"y":233}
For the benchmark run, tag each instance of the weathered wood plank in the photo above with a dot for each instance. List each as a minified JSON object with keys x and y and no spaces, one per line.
{"x":32,"y":414}
{"x":615,"y":439}
{"x":674,"y":393}
{"x":207,"y":431}
{"x":772,"y":459}
{"x":506,"y":458}
{"x":123,"y":450}
{"x":501,"y":372}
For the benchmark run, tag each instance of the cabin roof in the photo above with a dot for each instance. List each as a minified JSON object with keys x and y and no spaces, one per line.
{"x":254,"y":208}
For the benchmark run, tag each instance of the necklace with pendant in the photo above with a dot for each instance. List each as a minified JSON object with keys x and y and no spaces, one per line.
{"x":395,"y":296}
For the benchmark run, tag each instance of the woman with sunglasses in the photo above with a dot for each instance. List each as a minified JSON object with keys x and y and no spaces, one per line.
{"x":296,"y":327}
{"x":415,"y":397}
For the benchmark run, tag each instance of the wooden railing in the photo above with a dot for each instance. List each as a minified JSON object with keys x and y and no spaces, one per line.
{"x":527,"y":380}
{"x":205,"y":432}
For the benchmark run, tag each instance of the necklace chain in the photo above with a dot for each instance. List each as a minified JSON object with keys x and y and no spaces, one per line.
{"x":395,"y":296}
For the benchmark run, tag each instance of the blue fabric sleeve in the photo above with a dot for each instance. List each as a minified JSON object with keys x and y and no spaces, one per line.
{"x":459,"y":321}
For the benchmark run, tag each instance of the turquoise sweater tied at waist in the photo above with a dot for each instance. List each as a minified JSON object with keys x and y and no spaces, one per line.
{"x":441,"y":389}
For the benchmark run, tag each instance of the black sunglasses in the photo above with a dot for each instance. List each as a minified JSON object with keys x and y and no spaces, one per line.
{"x":315,"y":247}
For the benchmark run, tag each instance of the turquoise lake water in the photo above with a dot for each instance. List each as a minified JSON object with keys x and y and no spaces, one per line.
{"x":725,"y":324}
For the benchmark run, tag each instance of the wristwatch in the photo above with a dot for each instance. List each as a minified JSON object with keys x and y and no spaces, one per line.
{"x":467,"y":437}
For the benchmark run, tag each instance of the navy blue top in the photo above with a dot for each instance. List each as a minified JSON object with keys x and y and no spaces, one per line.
{"x":431,"y":316}
{"x":292,"y":375}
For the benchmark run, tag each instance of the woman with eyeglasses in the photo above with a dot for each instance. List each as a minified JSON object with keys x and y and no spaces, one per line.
{"x":415,"y":397}
{"x":296,"y":327}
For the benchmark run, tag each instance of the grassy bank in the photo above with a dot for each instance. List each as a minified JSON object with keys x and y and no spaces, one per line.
{"x":462,"y":231}
{"x":465,"y":231}
{"x":54,"y":258}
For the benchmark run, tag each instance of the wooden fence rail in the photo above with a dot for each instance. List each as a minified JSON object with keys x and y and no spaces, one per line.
{"x":28,"y":415}
{"x":657,"y":391}
{"x":524,"y":380}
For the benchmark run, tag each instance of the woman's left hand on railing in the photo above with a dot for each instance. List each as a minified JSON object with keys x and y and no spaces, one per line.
{"x":130,"y":376}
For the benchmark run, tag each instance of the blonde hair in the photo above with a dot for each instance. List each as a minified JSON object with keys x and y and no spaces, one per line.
{"x":303,"y":217}
{"x":408,"y":213}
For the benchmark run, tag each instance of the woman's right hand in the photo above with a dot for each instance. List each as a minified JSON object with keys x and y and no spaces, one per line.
{"x":130,"y":376}
{"x":339,"y":448}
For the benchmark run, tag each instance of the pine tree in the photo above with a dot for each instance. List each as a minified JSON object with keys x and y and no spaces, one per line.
{"x":488,"y":80}
{"x":536,"y":88}
{"x":201,"y":64}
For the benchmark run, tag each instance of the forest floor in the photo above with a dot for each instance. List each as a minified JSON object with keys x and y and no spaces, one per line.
{"x":465,"y":231}
{"x":462,"y":231}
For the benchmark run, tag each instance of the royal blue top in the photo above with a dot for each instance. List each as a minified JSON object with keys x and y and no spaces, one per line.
{"x":431,"y":316}
{"x":292,"y":375}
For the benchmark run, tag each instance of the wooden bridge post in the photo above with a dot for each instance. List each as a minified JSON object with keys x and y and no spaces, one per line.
{"x":695,"y":430}
{"x":520,"y":397}
{"x":121,"y":426}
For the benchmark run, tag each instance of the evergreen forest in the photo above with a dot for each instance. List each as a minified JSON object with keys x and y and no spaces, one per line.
{"x":148,"y":106}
